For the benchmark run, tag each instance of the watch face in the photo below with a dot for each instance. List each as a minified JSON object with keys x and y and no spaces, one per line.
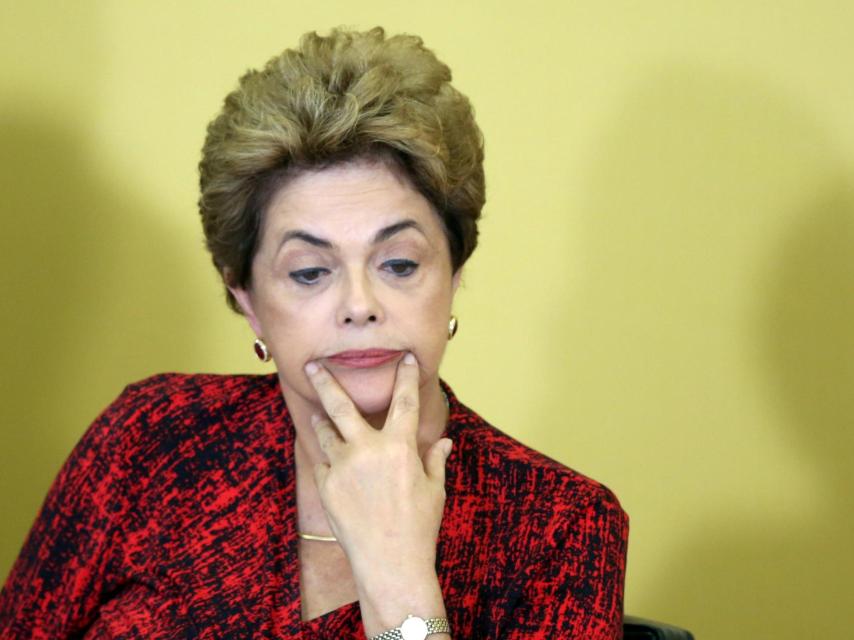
{"x":413,"y":628}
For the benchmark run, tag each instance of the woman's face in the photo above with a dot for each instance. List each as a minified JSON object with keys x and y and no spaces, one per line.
{"x":351,"y":258}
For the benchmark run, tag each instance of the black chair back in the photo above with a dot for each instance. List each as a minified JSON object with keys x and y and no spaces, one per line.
{"x":635,"y":628}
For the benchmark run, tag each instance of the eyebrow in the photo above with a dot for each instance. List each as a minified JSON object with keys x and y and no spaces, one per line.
{"x":381,"y":236}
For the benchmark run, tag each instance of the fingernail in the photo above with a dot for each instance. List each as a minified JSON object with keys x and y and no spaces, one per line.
{"x":448,"y":446}
{"x":409,"y":358}
{"x":311,"y":368}
{"x":314,"y":419}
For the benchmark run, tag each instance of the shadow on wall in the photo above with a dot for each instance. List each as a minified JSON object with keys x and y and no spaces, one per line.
{"x":720,"y":230}
{"x":790,"y":579}
{"x":94,"y":298}
{"x":809,"y":346}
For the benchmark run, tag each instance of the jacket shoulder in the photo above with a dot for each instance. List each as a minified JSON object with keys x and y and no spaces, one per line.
{"x":525,"y":480}
{"x":154,"y":416}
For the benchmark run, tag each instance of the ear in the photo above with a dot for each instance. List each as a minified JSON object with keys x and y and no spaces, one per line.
{"x":244,"y":299}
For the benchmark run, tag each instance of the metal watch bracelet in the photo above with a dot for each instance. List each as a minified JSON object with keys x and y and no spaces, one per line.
{"x":415,"y":628}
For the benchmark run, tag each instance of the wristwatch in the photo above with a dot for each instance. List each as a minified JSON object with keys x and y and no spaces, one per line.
{"x":415,"y":628}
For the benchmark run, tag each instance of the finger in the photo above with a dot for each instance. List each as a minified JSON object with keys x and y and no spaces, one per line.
{"x":337,"y":404}
{"x":327,"y":436}
{"x":436,"y":458}
{"x":405,"y":397}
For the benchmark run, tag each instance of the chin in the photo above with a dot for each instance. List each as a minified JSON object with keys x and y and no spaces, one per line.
{"x":370,"y":389}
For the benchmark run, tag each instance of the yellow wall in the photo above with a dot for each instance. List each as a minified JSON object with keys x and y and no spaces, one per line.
{"x":662,"y":299}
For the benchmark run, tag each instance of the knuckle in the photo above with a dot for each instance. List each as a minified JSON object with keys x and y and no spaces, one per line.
{"x":327,"y":441}
{"x":340,"y":409}
{"x":405,"y":404}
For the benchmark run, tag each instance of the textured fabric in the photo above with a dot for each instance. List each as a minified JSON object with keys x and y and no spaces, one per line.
{"x":175,"y":517}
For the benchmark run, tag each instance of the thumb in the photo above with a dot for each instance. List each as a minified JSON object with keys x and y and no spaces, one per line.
{"x":436,"y":457}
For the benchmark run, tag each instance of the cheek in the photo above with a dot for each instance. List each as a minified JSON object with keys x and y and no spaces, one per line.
{"x":296,"y":331}
{"x":426,"y":325}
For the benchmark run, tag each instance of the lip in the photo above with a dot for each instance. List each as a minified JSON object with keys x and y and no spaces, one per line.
{"x":364,"y":358}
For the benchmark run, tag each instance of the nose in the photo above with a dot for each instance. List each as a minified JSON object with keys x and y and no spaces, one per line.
{"x":359,"y":305}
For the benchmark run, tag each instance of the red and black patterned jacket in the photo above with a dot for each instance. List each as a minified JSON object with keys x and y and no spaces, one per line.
{"x":174,"y":517}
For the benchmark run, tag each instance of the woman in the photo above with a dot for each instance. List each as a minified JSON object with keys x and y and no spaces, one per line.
{"x":351,"y":494}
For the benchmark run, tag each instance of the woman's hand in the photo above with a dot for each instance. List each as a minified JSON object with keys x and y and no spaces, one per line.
{"x":383,"y":502}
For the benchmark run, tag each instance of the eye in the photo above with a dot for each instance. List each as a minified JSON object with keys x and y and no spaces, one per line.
{"x":308,"y":276}
{"x":400,"y":267}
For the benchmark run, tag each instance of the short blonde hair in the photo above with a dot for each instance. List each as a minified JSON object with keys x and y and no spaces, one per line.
{"x":333,"y":99}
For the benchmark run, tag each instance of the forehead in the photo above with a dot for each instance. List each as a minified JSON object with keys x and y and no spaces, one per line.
{"x":360,"y":196}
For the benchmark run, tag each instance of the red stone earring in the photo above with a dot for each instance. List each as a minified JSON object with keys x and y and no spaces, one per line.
{"x":261,"y":350}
